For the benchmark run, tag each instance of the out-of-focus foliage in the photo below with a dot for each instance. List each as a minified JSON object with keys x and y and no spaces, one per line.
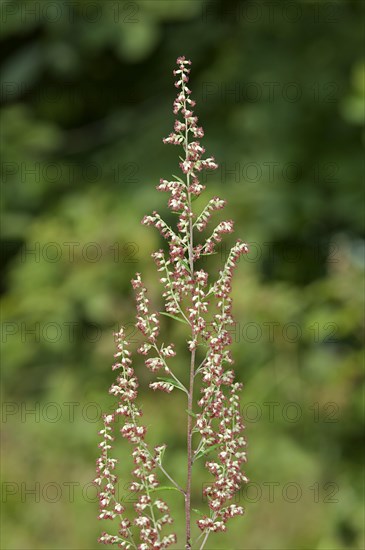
{"x":87,"y":91}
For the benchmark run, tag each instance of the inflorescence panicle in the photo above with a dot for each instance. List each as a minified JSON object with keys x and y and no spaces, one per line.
{"x":206,"y":310}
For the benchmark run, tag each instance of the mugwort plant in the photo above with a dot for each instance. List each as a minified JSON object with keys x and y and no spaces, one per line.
{"x":205,"y":309}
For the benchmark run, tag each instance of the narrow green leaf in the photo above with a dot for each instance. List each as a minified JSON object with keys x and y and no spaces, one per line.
{"x":197,"y":511}
{"x":206,"y":451}
{"x":186,"y":264}
{"x":166,"y":488}
{"x":178,"y":179}
{"x":190,"y":413}
{"x":173,"y":317}
{"x":211,"y":289}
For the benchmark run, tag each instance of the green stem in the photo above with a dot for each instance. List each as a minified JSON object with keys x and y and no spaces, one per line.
{"x":192,"y":361}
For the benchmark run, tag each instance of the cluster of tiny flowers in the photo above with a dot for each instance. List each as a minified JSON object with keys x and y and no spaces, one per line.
{"x":214,"y":204}
{"x":219,"y":424}
{"x":183,"y":105}
{"x":146,"y":523}
{"x":223,"y":285}
{"x":147,"y":323}
{"x":193,"y":163}
{"x":227,"y":468}
{"x":176,"y":277}
{"x":199,"y":307}
{"x":216,"y":237}
{"x":146,"y":508}
{"x":106,"y":480}
{"x":178,"y":197}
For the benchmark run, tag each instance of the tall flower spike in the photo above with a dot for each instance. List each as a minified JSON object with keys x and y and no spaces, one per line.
{"x":147,"y":523}
{"x":205,"y":309}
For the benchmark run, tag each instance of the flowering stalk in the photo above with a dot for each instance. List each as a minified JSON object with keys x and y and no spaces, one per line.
{"x":205,"y":309}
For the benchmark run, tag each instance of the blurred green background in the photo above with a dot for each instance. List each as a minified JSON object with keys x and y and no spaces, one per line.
{"x":86,"y":93}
